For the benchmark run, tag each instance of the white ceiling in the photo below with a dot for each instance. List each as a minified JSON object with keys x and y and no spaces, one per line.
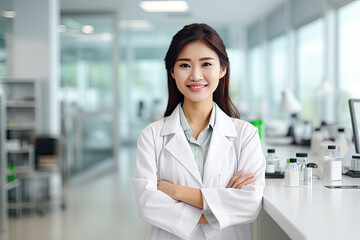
{"x":219,"y":12}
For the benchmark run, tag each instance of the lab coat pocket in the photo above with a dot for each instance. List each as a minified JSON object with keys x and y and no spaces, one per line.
{"x":223,"y":180}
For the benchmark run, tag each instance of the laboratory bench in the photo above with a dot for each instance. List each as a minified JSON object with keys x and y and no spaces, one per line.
{"x":308,"y":211}
{"x":311,"y":211}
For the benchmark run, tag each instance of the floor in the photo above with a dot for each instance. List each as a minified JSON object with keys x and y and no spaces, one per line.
{"x":103,"y":208}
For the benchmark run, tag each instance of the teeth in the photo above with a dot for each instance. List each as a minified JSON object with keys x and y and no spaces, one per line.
{"x":197,"y":86}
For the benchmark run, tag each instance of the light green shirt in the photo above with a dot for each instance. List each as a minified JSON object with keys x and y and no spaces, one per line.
{"x":199,"y":148}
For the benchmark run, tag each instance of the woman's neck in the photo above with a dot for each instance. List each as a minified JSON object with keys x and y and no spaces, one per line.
{"x":197,"y":113}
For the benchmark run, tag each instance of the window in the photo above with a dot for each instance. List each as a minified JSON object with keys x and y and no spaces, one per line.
{"x":349,"y":58}
{"x":278,"y":56}
{"x":256,"y":68}
{"x":236,"y":76}
{"x":310,"y":69}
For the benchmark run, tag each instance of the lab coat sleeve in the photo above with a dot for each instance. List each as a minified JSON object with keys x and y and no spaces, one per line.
{"x":156,"y":207}
{"x":240,"y":206}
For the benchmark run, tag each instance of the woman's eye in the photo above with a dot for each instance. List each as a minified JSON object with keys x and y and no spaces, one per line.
{"x":206,"y":64}
{"x":184,"y":65}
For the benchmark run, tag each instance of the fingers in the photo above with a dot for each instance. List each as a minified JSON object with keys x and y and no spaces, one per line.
{"x":244,"y":180}
{"x":234,"y":178}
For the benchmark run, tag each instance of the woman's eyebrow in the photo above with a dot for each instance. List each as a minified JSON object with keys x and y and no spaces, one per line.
{"x":201,"y":59}
{"x":206,"y":58}
{"x":183,"y":59}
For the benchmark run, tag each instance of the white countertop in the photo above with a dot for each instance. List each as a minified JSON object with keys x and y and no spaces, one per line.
{"x":315,"y":212}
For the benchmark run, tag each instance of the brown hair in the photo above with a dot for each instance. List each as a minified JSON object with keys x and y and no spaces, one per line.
{"x":206,"y":34}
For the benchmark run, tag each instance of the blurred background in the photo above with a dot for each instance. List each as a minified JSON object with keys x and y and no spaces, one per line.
{"x":80,"y":79}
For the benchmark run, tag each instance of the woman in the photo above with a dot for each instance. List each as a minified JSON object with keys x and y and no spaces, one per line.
{"x":200,"y":170}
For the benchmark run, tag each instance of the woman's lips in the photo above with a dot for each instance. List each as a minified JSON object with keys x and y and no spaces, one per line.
{"x":197,"y":88}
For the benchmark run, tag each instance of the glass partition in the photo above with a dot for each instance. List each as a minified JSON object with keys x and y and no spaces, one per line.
{"x":256,"y":80}
{"x":278,"y":70}
{"x":6,"y":22}
{"x":349,"y":58}
{"x":310,"y":68}
{"x":237,"y":69}
{"x":143,"y":79}
{"x":87,"y":88}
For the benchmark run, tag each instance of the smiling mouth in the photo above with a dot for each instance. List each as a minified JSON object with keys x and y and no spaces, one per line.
{"x":197,"y":86}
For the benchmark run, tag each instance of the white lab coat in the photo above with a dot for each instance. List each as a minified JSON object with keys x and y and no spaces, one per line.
{"x":163,"y":153}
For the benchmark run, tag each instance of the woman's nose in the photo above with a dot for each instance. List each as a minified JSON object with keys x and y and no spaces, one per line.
{"x":196,"y":74}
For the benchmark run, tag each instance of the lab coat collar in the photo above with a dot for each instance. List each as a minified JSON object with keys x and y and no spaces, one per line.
{"x":179,"y":147}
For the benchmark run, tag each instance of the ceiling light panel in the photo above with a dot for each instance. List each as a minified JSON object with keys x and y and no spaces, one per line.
{"x":88,"y":29}
{"x":164,"y":6}
{"x":8,"y":14}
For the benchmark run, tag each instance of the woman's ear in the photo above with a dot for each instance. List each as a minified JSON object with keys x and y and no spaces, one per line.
{"x":172,"y":73}
{"x":222,"y":72}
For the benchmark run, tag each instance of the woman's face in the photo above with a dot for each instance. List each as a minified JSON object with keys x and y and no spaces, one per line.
{"x":197,"y":72}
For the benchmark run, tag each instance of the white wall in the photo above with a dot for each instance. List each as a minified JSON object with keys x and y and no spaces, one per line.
{"x":36,"y":52}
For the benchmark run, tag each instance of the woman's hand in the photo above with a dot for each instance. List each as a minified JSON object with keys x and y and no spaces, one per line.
{"x":167,"y":188}
{"x":239,"y":180}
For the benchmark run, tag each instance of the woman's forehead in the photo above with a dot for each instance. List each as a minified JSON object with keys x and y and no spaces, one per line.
{"x":197,"y":50}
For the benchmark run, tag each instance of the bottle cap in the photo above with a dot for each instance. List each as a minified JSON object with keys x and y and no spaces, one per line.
{"x":293,"y":160}
{"x":271,"y":150}
{"x":312,"y":165}
{"x":301,"y":155}
{"x":341,"y":130}
{"x":356,"y":156}
{"x":331,"y":147}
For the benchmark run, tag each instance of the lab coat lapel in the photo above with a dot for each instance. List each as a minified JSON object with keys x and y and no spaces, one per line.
{"x":220,"y":144}
{"x":178,"y":146}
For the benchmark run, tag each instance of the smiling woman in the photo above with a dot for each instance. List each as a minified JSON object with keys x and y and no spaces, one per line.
{"x":199,"y":171}
{"x":197,"y":72}
{"x":211,"y":44}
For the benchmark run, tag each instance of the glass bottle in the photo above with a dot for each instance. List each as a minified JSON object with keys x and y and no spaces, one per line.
{"x":302,"y":161}
{"x":272,"y":162}
{"x":342,"y":142}
{"x":292,"y":174}
{"x":316,"y":151}
{"x":316,"y":139}
{"x":332,"y":165}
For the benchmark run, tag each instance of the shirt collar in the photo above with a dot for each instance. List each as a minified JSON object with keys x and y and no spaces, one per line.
{"x":185,"y":125}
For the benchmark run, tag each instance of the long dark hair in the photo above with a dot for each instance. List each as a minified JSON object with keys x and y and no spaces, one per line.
{"x":206,"y":34}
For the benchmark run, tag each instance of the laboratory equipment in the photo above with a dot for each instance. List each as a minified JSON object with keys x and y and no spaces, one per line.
{"x":316,"y":139}
{"x":259,"y":124}
{"x":342,"y":142}
{"x":302,"y":161}
{"x":355,"y":163}
{"x":308,"y":176}
{"x":292,"y":174}
{"x":343,"y":187}
{"x":272,"y":162}
{"x":306,"y":135}
{"x":354,"y":105}
{"x":12,"y":171}
{"x":332,"y":165}
{"x":315,"y":170}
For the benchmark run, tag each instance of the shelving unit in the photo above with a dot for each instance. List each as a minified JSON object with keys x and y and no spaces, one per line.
{"x":23,"y":119}
{"x":3,"y":167}
{"x":22,"y":124}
